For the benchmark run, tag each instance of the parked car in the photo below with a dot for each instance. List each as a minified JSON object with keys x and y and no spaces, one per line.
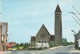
{"x":13,"y":50}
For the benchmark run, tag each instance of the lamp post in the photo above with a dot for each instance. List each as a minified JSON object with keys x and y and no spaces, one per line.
{"x":8,"y":36}
{"x":73,"y":32}
{"x":74,"y":37}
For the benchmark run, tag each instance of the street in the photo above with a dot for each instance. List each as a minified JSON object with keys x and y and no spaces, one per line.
{"x":58,"y":50}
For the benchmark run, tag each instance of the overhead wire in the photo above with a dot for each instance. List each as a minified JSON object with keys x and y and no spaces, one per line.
{"x":76,"y":20}
{"x":75,"y":9}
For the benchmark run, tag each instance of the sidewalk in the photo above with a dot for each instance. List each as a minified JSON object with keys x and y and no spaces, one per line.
{"x":1,"y":52}
{"x":74,"y":51}
{"x":5,"y":52}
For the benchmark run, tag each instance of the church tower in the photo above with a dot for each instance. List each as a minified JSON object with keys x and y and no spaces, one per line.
{"x":58,"y":26}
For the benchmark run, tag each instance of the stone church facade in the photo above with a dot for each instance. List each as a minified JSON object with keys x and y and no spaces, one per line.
{"x":43,"y":37}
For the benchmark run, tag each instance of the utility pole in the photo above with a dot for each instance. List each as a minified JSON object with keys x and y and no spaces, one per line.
{"x":8,"y":36}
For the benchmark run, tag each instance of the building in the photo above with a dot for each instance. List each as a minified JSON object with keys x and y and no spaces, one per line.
{"x":3,"y":35}
{"x":58,"y":26}
{"x":44,"y":39}
{"x":77,"y":40}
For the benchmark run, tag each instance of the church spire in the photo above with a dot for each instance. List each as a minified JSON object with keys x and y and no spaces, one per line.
{"x":58,"y":9}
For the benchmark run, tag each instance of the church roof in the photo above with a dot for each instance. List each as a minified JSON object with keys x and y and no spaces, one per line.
{"x":58,"y":9}
{"x":43,"y":28}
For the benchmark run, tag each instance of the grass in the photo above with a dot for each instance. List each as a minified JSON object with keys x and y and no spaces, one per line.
{"x":9,"y":48}
{"x":21,"y":47}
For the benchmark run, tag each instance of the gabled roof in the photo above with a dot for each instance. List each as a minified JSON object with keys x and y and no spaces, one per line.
{"x":43,"y":28}
{"x":58,"y":9}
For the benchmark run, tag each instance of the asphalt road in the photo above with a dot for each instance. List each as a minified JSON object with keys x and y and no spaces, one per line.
{"x":59,"y":50}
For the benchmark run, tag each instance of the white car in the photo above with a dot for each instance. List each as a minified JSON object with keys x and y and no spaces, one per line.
{"x":13,"y":50}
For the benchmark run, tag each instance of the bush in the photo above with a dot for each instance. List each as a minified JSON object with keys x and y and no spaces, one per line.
{"x":45,"y":47}
{"x":51,"y":45}
{"x":18,"y":47}
{"x":25,"y":46}
{"x":31,"y":48}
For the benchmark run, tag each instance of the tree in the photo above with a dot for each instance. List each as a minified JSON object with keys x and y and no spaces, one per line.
{"x":51,"y":45}
{"x":17,"y":46}
{"x":67,"y":43}
{"x":25,"y":46}
{"x":71,"y":43}
{"x":21,"y":44}
{"x":64,"y":42}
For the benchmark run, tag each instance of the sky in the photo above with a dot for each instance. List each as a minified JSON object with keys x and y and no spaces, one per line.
{"x":25,"y":17}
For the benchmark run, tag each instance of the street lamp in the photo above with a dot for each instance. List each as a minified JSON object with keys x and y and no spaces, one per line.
{"x":74,"y":36}
{"x":8,"y":37}
{"x":74,"y":32}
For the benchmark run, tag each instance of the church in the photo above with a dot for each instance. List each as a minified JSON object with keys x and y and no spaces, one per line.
{"x":44,"y":39}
